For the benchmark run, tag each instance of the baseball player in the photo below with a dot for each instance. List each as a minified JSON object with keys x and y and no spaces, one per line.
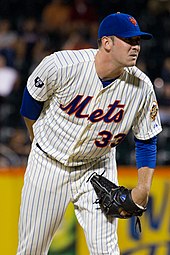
{"x":78,"y":106}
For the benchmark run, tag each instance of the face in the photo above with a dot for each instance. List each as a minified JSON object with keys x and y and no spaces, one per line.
{"x":124,"y":51}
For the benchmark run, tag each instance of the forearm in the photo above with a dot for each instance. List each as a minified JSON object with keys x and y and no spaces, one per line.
{"x":29,"y":123}
{"x":145,"y":175}
{"x":141,"y":192}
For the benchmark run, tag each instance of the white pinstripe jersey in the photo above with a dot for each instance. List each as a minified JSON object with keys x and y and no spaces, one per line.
{"x":81,"y":121}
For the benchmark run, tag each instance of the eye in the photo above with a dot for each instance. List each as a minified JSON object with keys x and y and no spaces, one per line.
{"x":132,"y":41}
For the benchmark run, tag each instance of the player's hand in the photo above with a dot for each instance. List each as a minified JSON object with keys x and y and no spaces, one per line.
{"x":140,"y":195}
{"x":124,"y":214}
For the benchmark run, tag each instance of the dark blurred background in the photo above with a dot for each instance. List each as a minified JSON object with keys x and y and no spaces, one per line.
{"x":32,"y":29}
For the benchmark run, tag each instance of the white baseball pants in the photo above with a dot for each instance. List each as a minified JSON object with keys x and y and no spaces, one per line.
{"x":48,"y":188}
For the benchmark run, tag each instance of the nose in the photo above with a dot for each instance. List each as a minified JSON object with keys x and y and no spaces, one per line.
{"x":135,"y":47}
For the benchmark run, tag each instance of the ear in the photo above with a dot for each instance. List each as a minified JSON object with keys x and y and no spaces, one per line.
{"x":107,"y":43}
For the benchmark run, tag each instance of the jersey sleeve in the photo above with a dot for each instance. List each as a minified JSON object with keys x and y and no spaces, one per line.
{"x":42,"y":82}
{"x":147,"y":122}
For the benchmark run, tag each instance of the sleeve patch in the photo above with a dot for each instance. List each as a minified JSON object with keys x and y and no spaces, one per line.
{"x":154,"y":111}
{"x":38,"y":82}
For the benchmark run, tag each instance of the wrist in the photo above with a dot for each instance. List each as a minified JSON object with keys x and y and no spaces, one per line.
{"x":140,"y":195}
{"x":145,"y":176}
{"x":143,"y":189}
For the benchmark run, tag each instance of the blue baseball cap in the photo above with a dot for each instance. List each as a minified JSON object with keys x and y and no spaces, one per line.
{"x":121,"y":25}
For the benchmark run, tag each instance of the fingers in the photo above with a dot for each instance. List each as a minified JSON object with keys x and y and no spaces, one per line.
{"x":125,"y":214}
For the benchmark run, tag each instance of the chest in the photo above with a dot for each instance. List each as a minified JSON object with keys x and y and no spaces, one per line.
{"x":90,"y":101}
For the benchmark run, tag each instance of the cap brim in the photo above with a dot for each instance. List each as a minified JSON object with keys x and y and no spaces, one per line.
{"x":143,"y":35}
{"x":146,"y":36}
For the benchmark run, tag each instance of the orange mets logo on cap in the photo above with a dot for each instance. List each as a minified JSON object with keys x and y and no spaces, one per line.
{"x":133,"y":21}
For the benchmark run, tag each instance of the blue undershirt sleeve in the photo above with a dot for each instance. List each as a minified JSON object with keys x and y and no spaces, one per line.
{"x":30,"y":108}
{"x":146,"y":151}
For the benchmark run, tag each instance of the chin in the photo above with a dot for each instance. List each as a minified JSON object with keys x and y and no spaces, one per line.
{"x":131,"y":63}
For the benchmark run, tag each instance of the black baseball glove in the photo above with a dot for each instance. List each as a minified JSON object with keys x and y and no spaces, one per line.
{"x":113,"y":199}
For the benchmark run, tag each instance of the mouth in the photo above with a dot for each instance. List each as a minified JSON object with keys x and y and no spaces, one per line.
{"x":134,"y":56}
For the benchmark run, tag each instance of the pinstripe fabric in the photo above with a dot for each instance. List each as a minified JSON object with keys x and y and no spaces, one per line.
{"x":48,"y":188}
{"x":100,"y":232}
{"x":78,"y":127}
{"x":45,"y":200}
{"x":70,"y":138}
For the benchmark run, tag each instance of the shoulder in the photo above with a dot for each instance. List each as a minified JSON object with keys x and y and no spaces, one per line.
{"x":73,"y":57}
{"x":141,"y":76}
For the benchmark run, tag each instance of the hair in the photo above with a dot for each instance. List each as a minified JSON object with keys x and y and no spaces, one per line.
{"x":99,"y":42}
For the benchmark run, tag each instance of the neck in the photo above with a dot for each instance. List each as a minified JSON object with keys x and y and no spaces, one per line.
{"x":105,"y":67}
